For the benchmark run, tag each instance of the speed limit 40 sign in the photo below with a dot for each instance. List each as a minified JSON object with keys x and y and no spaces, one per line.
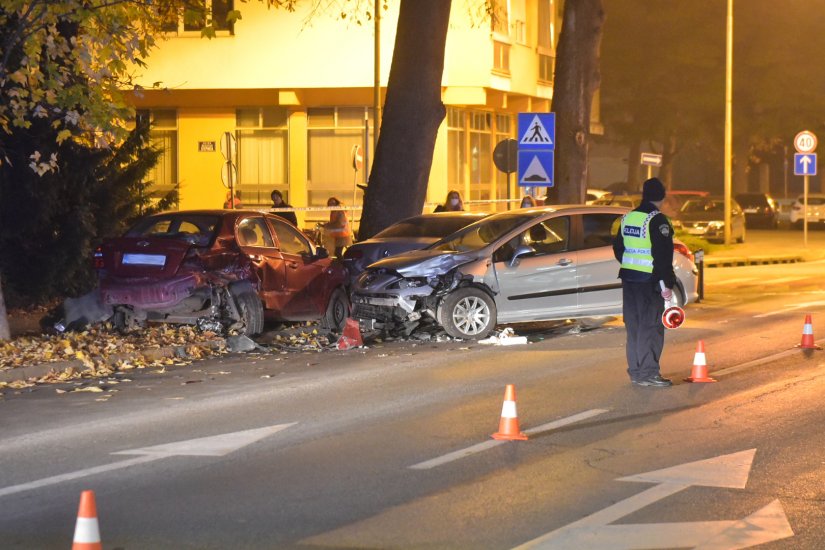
{"x":805,"y":142}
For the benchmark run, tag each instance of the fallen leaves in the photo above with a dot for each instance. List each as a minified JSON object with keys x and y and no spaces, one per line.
{"x":99,"y":352}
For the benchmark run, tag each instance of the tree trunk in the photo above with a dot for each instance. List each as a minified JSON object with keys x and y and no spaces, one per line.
{"x":413,"y":111}
{"x":577,"y":79}
{"x":741,"y":154}
{"x":668,"y":156}
{"x":5,"y":331}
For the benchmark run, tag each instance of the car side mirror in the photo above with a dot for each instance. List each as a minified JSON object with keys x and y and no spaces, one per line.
{"x":321,"y":252}
{"x":521,"y":250}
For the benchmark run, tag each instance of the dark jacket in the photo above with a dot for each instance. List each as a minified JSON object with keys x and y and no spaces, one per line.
{"x":661,"y":241}
{"x":288,"y":216}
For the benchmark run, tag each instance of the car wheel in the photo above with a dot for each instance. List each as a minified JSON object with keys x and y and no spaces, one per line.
{"x":337,"y":311}
{"x":251,"y":311}
{"x":468,"y":313}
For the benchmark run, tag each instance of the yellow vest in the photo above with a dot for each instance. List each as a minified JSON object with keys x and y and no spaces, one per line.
{"x":638,"y":254}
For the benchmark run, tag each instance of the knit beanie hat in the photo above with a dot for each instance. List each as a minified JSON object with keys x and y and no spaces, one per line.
{"x":653,"y":190}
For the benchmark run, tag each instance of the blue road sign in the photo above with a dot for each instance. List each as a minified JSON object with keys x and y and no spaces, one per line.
{"x":804,"y":164}
{"x":535,"y":168}
{"x":537,"y":131}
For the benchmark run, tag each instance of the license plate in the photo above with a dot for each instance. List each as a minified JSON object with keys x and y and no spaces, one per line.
{"x":697,"y":231}
{"x":751,"y":210}
{"x":158,"y":260}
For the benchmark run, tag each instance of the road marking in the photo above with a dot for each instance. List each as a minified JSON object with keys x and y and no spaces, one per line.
{"x":789,"y":308}
{"x":218,"y":445}
{"x":730,"y":471}
{"x":479,"y":447}
{"x":735,"y":281}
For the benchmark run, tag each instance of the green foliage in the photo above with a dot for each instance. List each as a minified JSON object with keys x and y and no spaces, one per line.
{"x":51,"y":223}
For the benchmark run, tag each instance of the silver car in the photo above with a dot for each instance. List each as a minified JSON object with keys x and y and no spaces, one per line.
{"x":526,"y":265}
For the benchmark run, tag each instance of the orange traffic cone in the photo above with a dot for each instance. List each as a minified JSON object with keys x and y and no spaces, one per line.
{"x":86,"y":531}
{"x":808,"y":335}
{"x":699,"y":373}
{"x":351,"y":338}
{"x":508,"y":425}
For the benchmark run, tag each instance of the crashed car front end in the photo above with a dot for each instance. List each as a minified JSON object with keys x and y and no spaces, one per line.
{"x":397,"y":295}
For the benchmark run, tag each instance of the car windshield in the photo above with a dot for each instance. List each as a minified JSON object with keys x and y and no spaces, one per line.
{"x":481,"y":233}
{"x":695,"y":206}
{"x":195,"y":228}
{"x":751,"y":200}
{"x":435,"y":226}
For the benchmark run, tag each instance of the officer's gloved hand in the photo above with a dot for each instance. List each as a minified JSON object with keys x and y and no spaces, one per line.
{"x":667,"y":294}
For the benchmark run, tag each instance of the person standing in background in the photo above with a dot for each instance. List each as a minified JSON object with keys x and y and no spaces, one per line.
{"x":278,"y":202}
{"x":452,"y":203}
{"x":337,"y":232}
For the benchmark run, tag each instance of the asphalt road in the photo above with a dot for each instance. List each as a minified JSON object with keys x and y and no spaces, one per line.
{"x":388,"y":447}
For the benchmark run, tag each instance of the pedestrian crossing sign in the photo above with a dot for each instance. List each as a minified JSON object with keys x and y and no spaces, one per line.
{"x":537,"y":131}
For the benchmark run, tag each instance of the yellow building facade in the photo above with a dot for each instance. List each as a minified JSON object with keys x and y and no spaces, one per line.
{"x":295,"y":91}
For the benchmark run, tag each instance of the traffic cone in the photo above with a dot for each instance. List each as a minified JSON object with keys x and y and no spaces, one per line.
{"x":699,"y":373}
{"x":86,"y":531}
{"x":808,"y":335}
{"x":508,"y":425}
{"x":351,"y":337}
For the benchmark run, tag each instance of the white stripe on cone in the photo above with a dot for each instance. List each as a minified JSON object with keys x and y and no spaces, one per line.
{"x":808,"y":329}
{"x":508,"y":410}
{"x":86,"y":530}
{"x":699,"y":359}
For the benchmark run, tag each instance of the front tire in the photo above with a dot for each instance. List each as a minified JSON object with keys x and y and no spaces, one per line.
{"x":251,"y":312}
{"x":337,"y":311}
{"x":468,"y":313}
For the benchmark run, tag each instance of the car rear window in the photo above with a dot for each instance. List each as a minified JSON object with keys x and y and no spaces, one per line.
{"x":426,"y":227}
{"x":751,"y":200}
{"x":199,"y":227}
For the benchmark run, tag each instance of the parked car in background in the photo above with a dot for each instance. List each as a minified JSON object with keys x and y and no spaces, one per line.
{"x":784,"y":208}
{"x":705,"y":217}
{"x":520,"y":266}
{"x":676,"y":198}
{"x":611,"y":199}
{"x":816,"y":210}
{"x":219,"y":269}
{"x":409,"y":234}
{"x":594,"y":194}
{"x":760,"y":210}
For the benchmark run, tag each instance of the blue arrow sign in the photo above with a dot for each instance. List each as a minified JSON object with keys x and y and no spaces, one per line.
{"x":804,"y":164}
{"x":535,"y":168}
{"x":537,"y":131}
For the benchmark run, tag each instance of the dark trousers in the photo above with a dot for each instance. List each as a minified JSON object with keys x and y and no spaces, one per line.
{"x":642,"y":308}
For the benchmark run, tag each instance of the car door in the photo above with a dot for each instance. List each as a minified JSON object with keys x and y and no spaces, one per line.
{"x":597,"y":277}
{"x":306,"y":289}
{"x":255,"y":241}
{"x":540,"y":285}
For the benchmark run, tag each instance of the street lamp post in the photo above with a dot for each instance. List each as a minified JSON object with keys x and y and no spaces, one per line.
{"x":728,"y":118}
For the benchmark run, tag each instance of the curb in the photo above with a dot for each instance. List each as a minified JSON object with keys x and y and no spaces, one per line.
{"x":40,"y":370}
{"x":737,"y":261}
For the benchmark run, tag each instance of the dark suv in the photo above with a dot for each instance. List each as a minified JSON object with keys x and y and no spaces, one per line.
{"x":760,"y":210}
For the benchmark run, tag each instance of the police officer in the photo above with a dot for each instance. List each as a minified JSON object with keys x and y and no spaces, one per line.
{"x":644,"y":246}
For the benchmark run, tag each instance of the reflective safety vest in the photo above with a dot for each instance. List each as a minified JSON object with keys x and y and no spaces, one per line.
{"x":638,"y":254}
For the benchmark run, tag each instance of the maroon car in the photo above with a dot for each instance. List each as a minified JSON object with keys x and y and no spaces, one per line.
{"x":220,"y":269}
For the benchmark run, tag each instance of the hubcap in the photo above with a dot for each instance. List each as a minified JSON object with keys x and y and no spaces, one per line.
{"x":471,"y":315}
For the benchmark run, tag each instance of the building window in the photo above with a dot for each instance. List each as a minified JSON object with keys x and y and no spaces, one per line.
{"x":163,"y":178}
{"x":456,"y":157}
{"x":501,"y":56}
{"x":481,"y":155}
{"x":504,"y":130}
{"x":546,"y":32}
{"x":198,"y":14}
{"x":332,"y":133}
{"x":262,"y":136}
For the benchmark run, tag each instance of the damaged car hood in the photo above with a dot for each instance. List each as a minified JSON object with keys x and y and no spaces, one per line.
{"x":422,"y":263}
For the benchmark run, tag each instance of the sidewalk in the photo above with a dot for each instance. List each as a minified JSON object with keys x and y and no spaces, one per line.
{"x":770,"y":247}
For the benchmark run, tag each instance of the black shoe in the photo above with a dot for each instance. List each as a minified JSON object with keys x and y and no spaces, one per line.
{"x":654,"y":381}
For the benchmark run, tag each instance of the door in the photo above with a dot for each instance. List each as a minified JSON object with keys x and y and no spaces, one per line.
{"x":306,"y":284}
{"x":540,"y":285}
{"x":256,"y":242}
{"x":599,"y":286}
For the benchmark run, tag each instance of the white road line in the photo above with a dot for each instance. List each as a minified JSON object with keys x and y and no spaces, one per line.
{"x":761,"y":360}
{"x":477,"y":448}
{"x":734,"y":281}
{"x":787,"y":279}
{"x":45,"y":482}
{"x":789,"y":308}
